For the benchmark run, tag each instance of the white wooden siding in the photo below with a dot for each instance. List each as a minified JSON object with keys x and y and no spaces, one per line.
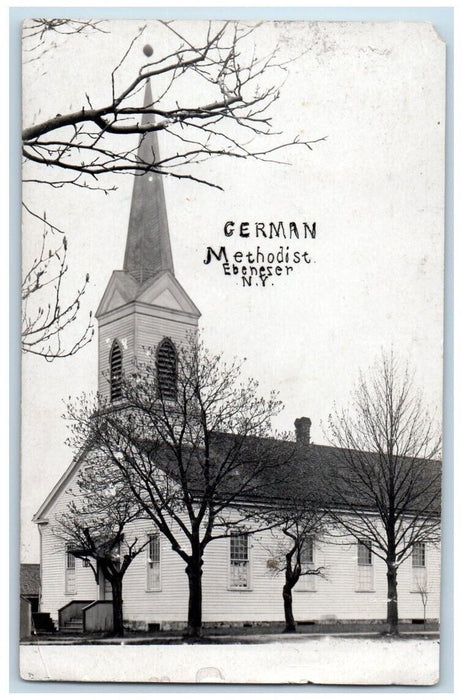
{"x":53,"y":563}
{"x":136,"y":331}
{"x":122,"y":327}
{"x":336,"y":595}
{"x":150,"y":328}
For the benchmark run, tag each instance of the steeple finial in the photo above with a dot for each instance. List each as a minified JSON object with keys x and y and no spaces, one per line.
{"x":148,"y":248}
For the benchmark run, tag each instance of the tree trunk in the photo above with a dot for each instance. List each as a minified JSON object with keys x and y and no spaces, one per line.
{"x":288,"y":606}
{"x":392,"y":607}
{"x":118,"y":621}
{"x":195,"y":600}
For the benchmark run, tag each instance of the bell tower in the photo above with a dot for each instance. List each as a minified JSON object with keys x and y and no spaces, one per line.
{"x":143,"y":305}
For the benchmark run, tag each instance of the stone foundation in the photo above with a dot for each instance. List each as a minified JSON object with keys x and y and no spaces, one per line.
{"x":176,"y":626}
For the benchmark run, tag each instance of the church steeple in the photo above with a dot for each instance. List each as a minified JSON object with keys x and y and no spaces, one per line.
{"x":148,"y":250}
{"x":144,"y":307}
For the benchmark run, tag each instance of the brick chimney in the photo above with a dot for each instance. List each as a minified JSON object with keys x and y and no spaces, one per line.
{"x":302,"y":426}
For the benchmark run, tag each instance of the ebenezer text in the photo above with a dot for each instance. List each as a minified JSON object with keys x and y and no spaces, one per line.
{"x":257,"y":266}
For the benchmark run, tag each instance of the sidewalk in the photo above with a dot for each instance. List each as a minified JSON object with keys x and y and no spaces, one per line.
{"x":217,"y":638}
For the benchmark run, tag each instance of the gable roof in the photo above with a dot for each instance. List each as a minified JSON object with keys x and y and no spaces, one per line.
{"x":60,"y":485}
{"x":120,"y":290}
{"x":322,"y":474}
{"x":162,"y":290}
{"x":315,"y":468}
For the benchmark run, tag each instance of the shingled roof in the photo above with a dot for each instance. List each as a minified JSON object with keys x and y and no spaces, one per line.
{"x":317,"y":469}
{"x":309,"y":471}
{"x":328,"y":473}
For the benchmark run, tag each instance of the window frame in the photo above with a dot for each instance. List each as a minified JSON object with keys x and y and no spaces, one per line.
{"x":419,"y":572}
{"x":68,"y":557}
{"x":421,"y":554}
{"x":307,"y":583}
{"x":363,"y":548}
{"x":231,"y":585}
{"x":158,"y":587}
{"x":365,"y":568}
{"x":115,"y":382}
{"x":171,"y":394}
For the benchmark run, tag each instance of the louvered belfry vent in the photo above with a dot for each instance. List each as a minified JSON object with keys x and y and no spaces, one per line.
{"x":116,"y":371}
{"x":166,"y":365}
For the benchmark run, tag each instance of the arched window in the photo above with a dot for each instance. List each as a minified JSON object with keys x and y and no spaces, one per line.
{"x":166,"y":367}
{"x":115,"y":364}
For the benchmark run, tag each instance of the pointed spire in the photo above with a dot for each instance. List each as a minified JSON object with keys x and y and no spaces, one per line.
{"x":148,"y":249}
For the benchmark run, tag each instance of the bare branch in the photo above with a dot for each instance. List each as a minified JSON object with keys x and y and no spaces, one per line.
{"x":245,"y":87}
{"x":44,"y":315}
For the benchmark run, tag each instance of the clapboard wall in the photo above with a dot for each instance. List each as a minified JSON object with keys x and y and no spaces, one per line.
{"x":333,"y":596}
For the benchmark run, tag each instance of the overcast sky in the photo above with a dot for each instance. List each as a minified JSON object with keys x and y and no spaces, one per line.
{"x":374,"y":187}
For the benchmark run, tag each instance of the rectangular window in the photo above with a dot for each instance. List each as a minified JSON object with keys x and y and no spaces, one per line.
{"x":307,"y":554}
{"x":239,"y":560}
{"x":419,"y":574}
{"x":307,"y":581}
{"x":364,"y":566}
{"x":70,"y":559}
{"x":419,"y":554}
{"x":153,"y":562}
{"x":364,"y":553}
{"x":69,"y":571}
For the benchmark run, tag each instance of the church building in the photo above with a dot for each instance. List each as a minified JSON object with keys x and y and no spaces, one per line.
{"x":145,"y":306}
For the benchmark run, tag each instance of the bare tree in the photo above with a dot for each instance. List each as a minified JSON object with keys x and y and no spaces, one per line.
{"x":94,"y":528}
{"x":46,"y":314}
{"x":302,"y":522}
{"x":384,"y":485}
{"x":423,"y":590}
{"x":195,"y":450}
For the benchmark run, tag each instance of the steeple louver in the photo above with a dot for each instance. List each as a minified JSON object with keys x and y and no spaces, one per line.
{"x":148,"y":248}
